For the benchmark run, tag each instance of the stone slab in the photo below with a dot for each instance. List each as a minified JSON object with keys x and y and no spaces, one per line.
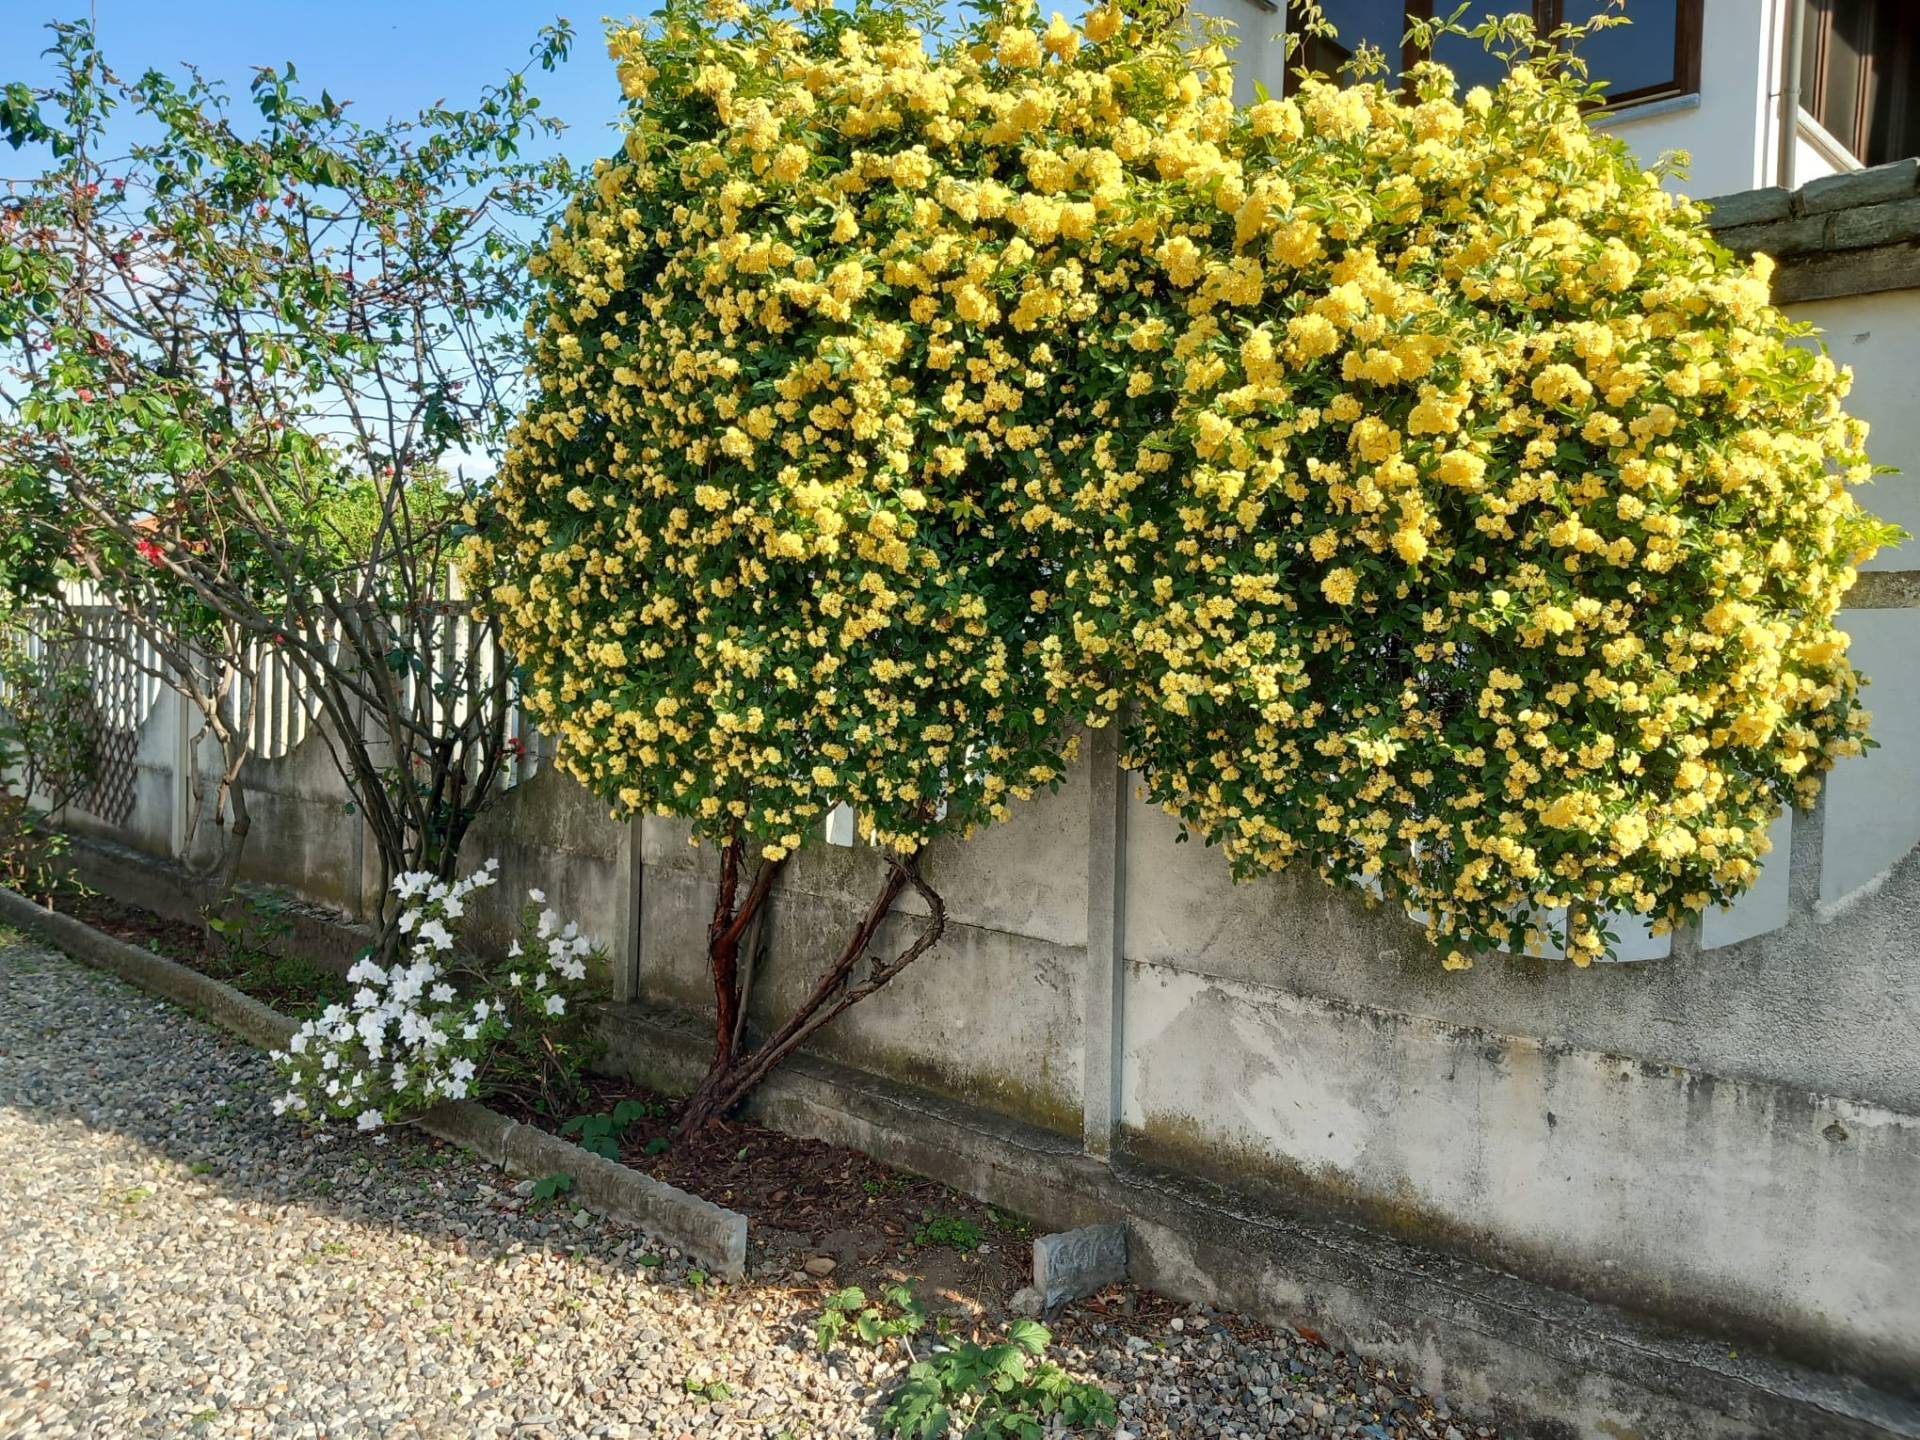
{"x":1851,"y":188}
{"x":1073,"y":1264}
{"x":1749,"y":207}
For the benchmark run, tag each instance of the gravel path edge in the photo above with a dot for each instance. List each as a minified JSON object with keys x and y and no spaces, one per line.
{"x":709,"y":1233}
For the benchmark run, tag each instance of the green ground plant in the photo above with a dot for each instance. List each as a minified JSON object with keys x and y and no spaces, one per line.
{"x":1005,"y":1388}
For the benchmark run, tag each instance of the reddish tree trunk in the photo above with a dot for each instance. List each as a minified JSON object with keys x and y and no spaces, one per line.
{"x":735,"y":1074}
{"x":730,"y":924}
{"x":723,"y":954}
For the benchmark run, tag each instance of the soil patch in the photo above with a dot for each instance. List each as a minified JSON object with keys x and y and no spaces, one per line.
{"x":290,"y":984}
{"x":808,"y":1201}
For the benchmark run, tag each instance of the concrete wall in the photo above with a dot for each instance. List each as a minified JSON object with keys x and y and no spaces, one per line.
{"x":303,"y":833}
{"x":549,"y":834}
{"x":1002,"y":990}
{"x":1670,"y":1135}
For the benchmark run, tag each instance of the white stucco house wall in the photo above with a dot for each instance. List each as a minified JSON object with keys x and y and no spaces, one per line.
{"x":1710,"y":77}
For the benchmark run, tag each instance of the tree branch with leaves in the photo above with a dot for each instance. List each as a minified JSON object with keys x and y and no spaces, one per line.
{"x":248,"y":360}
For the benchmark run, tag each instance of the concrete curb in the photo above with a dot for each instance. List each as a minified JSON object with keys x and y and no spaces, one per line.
{"x":708,"y":1233}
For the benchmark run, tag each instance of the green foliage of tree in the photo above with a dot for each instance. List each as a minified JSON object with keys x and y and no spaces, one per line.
{"x":245,"y":358}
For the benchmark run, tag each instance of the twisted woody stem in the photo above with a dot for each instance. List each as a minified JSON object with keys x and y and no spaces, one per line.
{"x":734,"y":1075}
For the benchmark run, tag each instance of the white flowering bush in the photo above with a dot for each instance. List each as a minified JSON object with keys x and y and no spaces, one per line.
{"x":438,"y":1025}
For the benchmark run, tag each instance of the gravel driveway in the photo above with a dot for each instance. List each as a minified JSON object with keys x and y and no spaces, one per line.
{"x":176,"y":1261}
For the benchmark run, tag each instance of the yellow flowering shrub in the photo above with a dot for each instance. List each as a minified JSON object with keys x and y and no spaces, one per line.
{"x":1465,"y":522}
{"x":760,"y":544}
{"x":1437,"y":503}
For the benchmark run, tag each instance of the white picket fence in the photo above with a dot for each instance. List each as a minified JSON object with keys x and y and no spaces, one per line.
{"x":271,"y":704}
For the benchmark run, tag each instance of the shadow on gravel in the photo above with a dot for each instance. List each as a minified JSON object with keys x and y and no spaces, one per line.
{"x":123,"y":1063}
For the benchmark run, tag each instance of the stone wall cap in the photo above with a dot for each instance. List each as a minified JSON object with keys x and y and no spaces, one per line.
{"x":1749,"y":207}
{"x":1851,"y":188}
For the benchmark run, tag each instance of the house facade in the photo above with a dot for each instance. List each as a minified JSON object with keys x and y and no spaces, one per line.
{"x":1715,"y":78}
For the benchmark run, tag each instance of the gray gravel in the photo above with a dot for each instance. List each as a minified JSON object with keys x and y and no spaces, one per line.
{"x":176,"y":1261}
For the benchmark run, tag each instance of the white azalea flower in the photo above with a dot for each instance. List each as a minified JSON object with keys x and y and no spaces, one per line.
{"x":371,"y":1120}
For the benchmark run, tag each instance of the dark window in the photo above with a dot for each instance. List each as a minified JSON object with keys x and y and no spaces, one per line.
{"x":1857,"y":75}
{"x":1657,"y":55}
{"x":1471,"y":62}
{"x":1379,"y":23}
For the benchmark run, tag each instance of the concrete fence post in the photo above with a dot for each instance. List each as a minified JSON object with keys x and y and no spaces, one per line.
{"x":1103,"y":1048}
{"x":626,"y":957}
{"x":179,"y":838}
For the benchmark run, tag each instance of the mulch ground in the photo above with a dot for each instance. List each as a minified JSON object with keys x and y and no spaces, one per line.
{"x":808,"y":1200}
{"x":180,"y":940}
{"x":289,"y":984}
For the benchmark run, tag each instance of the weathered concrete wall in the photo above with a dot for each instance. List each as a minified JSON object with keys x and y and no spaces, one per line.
{"x":1002,"y":990}
{"x":549,"y":834}
{"x":304,"y":835}
{"x":1658,"y":1134}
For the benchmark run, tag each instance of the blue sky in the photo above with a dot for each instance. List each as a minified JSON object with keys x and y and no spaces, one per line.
{"x":390,"y":58}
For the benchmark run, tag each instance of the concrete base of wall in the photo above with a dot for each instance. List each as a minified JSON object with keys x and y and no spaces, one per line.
{"x":1542,"y":1362}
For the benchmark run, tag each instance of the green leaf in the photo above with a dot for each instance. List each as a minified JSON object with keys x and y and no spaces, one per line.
{"x":1030,"y":1335}
{"x":628,"y":1111}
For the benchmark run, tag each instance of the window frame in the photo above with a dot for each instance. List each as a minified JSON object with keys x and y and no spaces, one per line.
{"x":1816,"y":59}
{"x":1549,"y":15}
